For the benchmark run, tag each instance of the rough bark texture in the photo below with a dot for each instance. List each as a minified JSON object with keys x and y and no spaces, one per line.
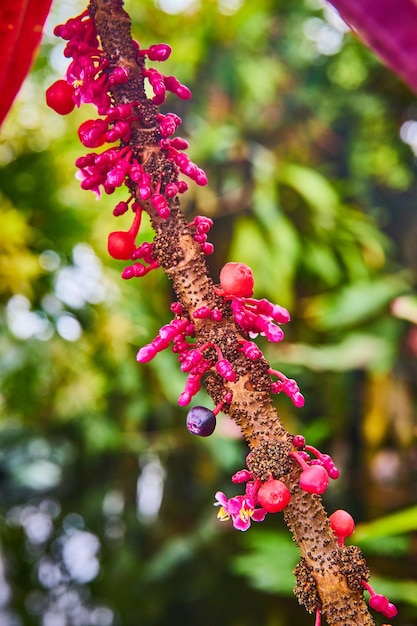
{"x":323,"y":572}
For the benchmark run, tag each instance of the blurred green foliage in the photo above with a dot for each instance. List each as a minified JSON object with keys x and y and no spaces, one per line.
{"x":298,"y":127}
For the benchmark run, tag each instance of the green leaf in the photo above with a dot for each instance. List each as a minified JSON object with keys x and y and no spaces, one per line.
{"x":354,"y":304}
{"x":402,"y":522}
{"x":270,"y":561}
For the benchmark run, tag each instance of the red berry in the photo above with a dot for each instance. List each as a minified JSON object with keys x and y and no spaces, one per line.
{"x":273,"y":496}
{"x":121,"y":245}
{"x":92,"y":133}
{"x":342,"y":524}
{"x":314,"y":479}
{"x":236,"y":279}
{"x":59,"y":96}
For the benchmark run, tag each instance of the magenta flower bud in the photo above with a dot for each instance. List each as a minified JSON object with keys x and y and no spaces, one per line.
{"x":184,"y":399}
{"x":158,"y":88}
{"x":251,"y":350}
{"x":203,"y":224}
{"x":177,"y":308}
{"x":117,"y":175}
{"x":298,"y":401}
{"x":379,"y":602}
{"x":242,"y":476}
{"x":159,"y":201}
{"x":181,"y":159}
{"x":179,"y":143}
{"x":171,"y":83}
{"x":134,"y":271}
{"x":174,"y":85}
{"x":159,"y":52}
{"x":107,"y":158}
{"x":207,"y":248}
{"x":92,"y":181}
{"x":120,"y":111}
{"x":118,"y":76}
{"x":167,"y":128}
{"x":201,"y":178}
{"x":171,"y":190}
{"x":189,"y":169}
{"x":224,"y":368}
{"x":391,"y":610}
{"x":215,"y":314}
{"x":92,"y":133}
{"x":182,"y":186}
{"x":85,"y":161}
{"x":202,"y":313}
{"x":145,"y":192}
{"x":183,"y":92}
{"x":192,"y":359}
{"x":272,"y":333}
{"x":120,"y":208}
{"x":299,"y":441}
{"x":145,"y":354}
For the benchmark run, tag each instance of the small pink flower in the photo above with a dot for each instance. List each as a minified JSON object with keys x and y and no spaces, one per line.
{"x":239,"y":509}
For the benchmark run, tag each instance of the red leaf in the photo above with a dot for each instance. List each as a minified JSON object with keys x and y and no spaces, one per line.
{"x":21,"y":24}
{"x":389,"y":28}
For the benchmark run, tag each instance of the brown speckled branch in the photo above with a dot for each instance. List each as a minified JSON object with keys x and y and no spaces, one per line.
{"x":325,"y":569}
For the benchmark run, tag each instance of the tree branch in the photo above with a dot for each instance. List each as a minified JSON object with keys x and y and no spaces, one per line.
{"x":329,"y":576}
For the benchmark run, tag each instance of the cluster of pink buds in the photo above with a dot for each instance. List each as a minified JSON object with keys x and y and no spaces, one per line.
{"x":161,"y":84}
{"x":90,"y":80}
{"x":288,"y":386}
{"x":254,"y":316}
{"x":200,"y":226}
{"x":196,"y":365}
{"x":316,"y":471}
{"x":87,"y":73}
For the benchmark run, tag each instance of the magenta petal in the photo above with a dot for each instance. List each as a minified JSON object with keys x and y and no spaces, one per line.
{"x":259,"y":515}
{"x":239,"y":523}
{"x":221,"y":499}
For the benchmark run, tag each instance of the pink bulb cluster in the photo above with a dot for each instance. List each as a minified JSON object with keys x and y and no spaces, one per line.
{"x":200,"y":227}
{"x":257,"y":317}
{"x":287,"y":386}
{"x":316,"y":471}
{"x":90,"y":80}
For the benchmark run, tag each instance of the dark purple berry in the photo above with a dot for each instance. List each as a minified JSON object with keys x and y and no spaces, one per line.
{"x":201,"y":421}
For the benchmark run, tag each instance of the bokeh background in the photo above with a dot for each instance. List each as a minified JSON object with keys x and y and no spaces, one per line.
{"x":106,"y":501}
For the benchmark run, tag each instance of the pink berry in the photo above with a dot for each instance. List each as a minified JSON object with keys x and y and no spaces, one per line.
{"x":237,"y":279}
{"x":314,"y":479}
{"x":342,"y":524}
{"x":273,"y":495}
{"x":59,"y":97}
